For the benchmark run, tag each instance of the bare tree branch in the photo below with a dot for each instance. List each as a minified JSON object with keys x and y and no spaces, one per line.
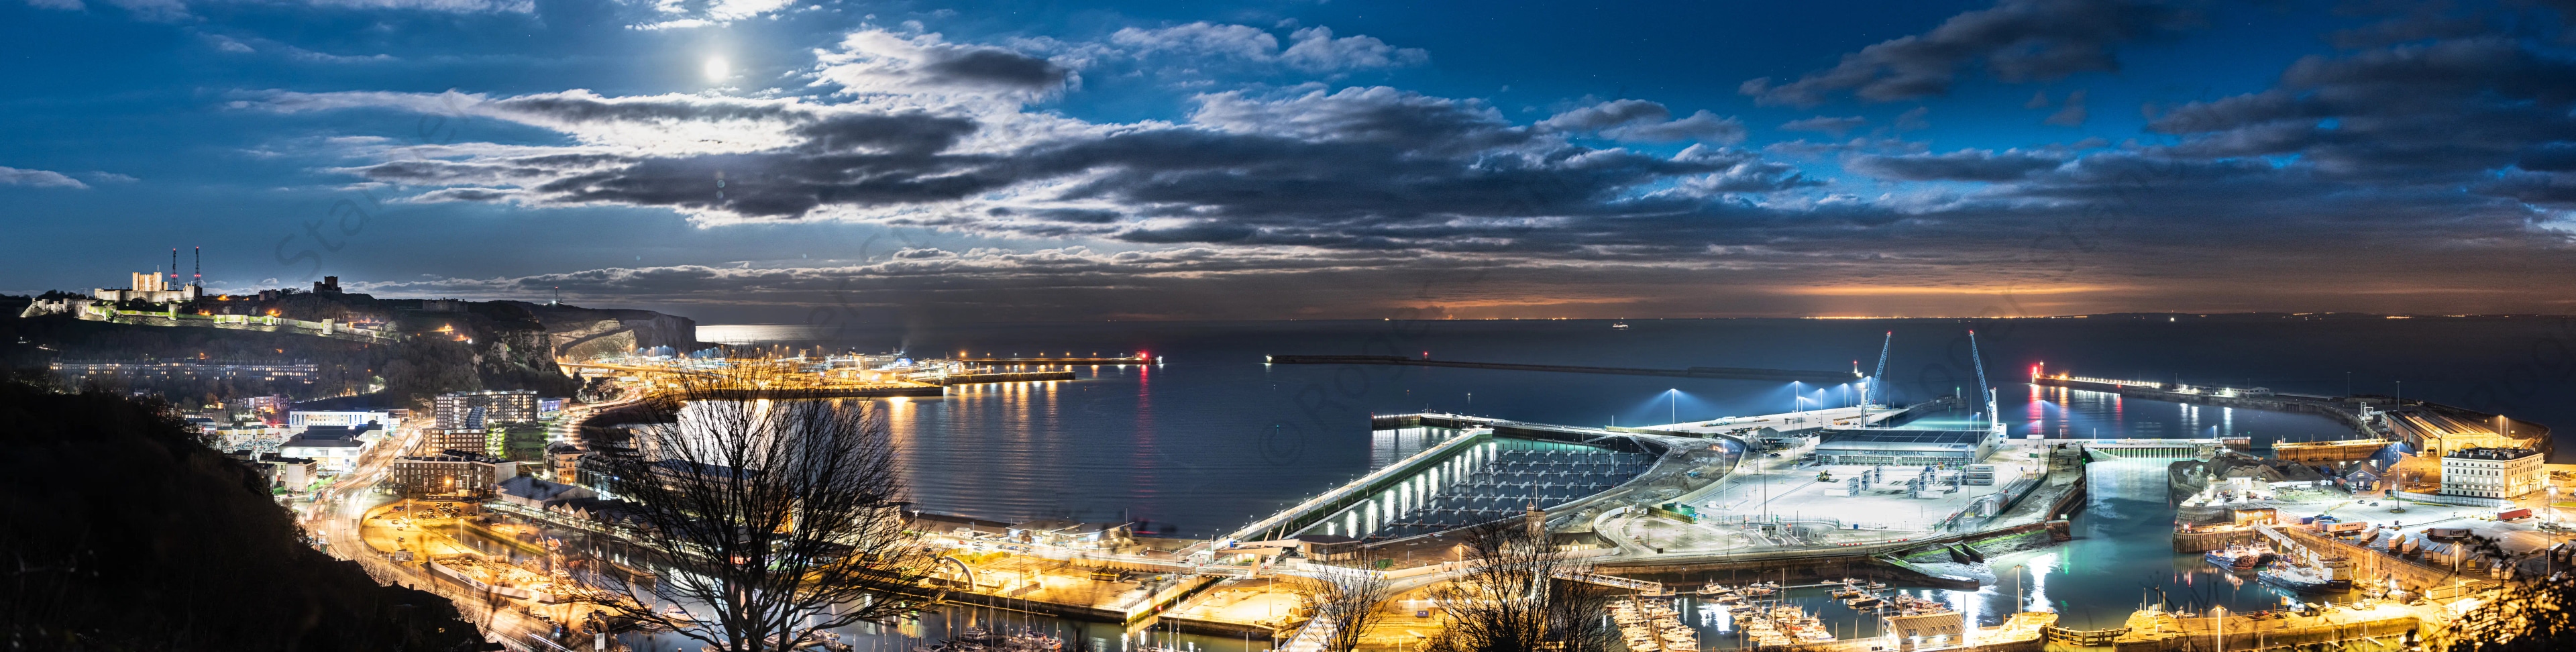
{"x":782,"y":518}
{"x":1509,"y":599}
{"x":1347,"y":602}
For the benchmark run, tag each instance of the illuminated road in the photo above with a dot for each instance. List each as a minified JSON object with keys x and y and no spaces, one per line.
{"x":335,"y":514}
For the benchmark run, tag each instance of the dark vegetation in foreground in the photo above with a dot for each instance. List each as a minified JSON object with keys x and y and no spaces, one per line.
{"x":119,"y":530}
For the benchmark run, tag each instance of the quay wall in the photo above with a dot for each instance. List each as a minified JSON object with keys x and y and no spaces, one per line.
{"x":2372,"y":564}
{"x":2213,"y":540}
{"x":2249,"y":635}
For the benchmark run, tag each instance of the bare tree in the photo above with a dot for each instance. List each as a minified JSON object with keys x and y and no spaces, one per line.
{"x":2531,"y":614}
{"x":1509,"y":599}
{"x":1347,"y":602}
{"x":780,"y":517}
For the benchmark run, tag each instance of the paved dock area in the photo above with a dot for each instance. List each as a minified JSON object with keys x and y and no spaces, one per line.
{"x":1786,"y":488}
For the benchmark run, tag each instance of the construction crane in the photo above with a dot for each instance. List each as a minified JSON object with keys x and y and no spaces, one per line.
{"x":1874,"y":391}
{"x":1993,"y":420}
{"x":1871,"y":390}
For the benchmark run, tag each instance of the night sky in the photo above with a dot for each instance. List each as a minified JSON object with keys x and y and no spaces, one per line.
{"x":759,"y":160}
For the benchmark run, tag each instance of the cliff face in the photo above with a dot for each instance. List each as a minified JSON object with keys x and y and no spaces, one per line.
{"x":584,"y":333}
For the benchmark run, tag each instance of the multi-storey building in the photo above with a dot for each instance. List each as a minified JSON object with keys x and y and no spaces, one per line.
{"x":486,"y":409}
{"x":465,"y":439}
{"x":2491,"y":472}
{"x":451,"y":473}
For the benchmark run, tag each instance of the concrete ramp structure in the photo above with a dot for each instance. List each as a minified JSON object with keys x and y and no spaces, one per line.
{"x":1484,"y":470}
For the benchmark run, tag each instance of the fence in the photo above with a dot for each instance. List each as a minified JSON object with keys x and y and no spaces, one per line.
{"x":2447,"y":499}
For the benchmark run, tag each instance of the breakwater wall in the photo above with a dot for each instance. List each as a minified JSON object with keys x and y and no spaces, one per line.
{"x":2340,"y":410}
{"x":1733,"y":373}
{"x":999,"y":377}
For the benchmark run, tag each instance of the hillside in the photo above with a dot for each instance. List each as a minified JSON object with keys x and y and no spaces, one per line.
{"x":123,"y":532}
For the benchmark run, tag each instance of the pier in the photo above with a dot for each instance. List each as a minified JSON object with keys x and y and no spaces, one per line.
{"x":1136,"y":359}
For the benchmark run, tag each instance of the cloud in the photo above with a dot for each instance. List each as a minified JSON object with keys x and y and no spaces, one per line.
{"x":177,"y":10}
{"x":1644,"y":121}
{"x":222,"y":43}
{"x":2014,"y":41}
{"x":878,"y":61}
{"x":10,"y":176}
{"x":1355,"y":168}
{"x":2071,"y":113}
{"x":1837,"y":126}
{"x":1312,"y":49}
{"x":1315,"y":49}
{"x":2438,"y":114}
{"x":1962,"y":165}
{"x":1201,"y":39}
{"x":679,"y":15}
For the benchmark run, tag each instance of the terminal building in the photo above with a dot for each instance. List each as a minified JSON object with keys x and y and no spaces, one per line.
{"x":1905,"y":447}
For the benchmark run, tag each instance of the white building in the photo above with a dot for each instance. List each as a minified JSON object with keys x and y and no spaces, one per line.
{"x":2505,"y":473}
{"x":299,"y":420}
{"x":1923,"y":630}
{"x":332,"y":455}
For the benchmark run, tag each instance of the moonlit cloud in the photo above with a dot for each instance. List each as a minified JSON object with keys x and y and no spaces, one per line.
{"x":10,"y":176}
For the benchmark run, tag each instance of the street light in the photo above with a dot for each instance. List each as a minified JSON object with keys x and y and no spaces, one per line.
{"x":2017,"y":571}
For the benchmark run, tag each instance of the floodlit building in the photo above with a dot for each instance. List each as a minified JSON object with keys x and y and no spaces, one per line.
{"x":485,"y":409}
{"x":330,"y":454}
{"x":2438,"y":431}
{"x":465,"y":439}
{"x":2491,"y":472}
{"x":565,"y":460}
{"x":451,"y":473}
{"x":300,"y":420}
{"x":1905,"y":447}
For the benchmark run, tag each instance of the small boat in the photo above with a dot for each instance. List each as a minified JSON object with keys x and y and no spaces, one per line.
{"x":1618,"y":325}
{"x":1875,"y":585}
{"x":2300,"y":579}
{"x":1863,"y":602}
